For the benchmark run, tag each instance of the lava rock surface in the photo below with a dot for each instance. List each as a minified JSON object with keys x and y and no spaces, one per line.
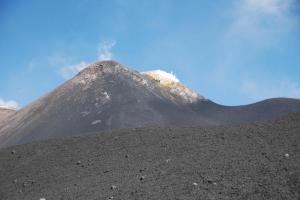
{"x":250,"y":161}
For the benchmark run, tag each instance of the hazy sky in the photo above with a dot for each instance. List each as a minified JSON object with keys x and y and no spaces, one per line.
{"x":232,"y":52}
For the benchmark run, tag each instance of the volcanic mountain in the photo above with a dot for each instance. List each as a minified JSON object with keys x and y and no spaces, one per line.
{"x":107,"y":95}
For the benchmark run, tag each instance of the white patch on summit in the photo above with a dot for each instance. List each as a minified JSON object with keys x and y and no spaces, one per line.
{"x":162,"y":76}
{"x":172,"y":87}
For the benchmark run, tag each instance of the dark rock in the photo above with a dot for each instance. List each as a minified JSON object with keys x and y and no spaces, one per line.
{"x":113,"y":187}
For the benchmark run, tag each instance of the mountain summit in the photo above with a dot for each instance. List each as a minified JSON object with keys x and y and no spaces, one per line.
{"x":108,"y":95}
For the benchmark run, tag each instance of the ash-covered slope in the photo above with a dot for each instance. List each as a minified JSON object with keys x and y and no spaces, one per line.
{"x":5,"y":112}
{"x":107,"y":95}
{"x":250,"y":161}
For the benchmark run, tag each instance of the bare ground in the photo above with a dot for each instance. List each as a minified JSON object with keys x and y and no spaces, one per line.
{"x":250,"y":161}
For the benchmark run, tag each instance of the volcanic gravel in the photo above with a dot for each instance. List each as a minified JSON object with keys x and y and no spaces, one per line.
{"x":250,"y":161}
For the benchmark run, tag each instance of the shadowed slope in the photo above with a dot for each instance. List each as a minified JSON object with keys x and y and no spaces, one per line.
{"x":251,"y":161}
{"x":263,"y":110}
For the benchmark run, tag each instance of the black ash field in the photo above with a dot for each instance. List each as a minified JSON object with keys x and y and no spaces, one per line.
{"x":250,"y":161}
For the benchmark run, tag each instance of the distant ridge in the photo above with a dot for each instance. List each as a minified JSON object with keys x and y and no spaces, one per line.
{"x":108,"y":95}
{"x":6,"y":111}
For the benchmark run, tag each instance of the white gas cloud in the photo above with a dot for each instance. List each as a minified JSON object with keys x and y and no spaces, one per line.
{"x":105,"y":50}
{"x":163,"y":75}
{"x":8,"y":104}
{"x":259,"y":91}
{"x":70,"y":70}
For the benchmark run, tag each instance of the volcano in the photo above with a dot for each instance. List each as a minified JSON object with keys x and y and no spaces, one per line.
{"x":107,"y":95}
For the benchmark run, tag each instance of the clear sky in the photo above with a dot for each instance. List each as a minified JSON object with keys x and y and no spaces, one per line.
{"x":230,"y":51}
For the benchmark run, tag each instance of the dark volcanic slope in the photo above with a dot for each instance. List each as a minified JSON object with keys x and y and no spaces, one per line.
{"x":267,"y":109}
{"x":107,"y":95}
{"x":5,"y":112}
{"x":258,"y":161}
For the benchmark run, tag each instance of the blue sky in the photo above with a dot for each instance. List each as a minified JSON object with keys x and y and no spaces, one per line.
{"x":232,"y":52}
